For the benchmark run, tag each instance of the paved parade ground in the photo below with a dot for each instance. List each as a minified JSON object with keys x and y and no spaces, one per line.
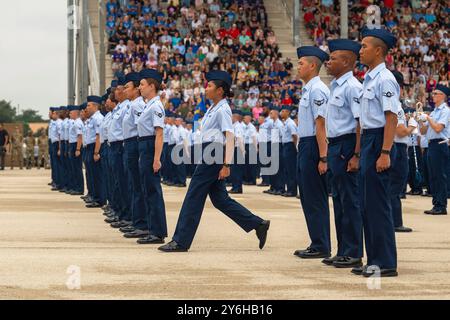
{"x":49,"y":238}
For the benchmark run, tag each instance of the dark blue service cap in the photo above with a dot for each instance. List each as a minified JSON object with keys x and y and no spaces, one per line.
{"x":246,"y":114}
{"x":53,"y":109}
{"x":220,"y":75}
{"x":108,"y":91}
{"x":63,"y":108}
{"x":444,"y":89}
{"x":170,"y":114}
{"x":235,"y":111}
{"x":275,"y":108}
{"x":132,"y":77}
{"x":150,"y":74}
{"x":105,"y":97}
{"x":311,"y":51}
{"x":386,"y":36}
{"x":83,"y":106}
{"x":94,"y":99}
{"x":288,"y":108}
{"x":114,"y":83}
{"x":344,"y":44}
{"x":121,"y":81}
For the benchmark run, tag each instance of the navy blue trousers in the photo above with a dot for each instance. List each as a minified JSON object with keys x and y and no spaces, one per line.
{"x":426,"y":170}
{"x":412,"y":181}
{"x":151,"y":188}
{"x":448,"y":175}
{"x":205,"y":182}
{"x":237,"y":170}
{"x":104,"y":154}
{"x":345,"y":191}
{"x":276,"y":180}
{"x":264,"y":149}
{"x":290,"y":167}
{"x":53,"y":163}
{"x":77,"y":169}
{"x":121,"y":190}
{"x":376,"y":203}
{"x":438,"y":158}
{"x":87,"y":171}
{"x":138,"y":214}
{"x":94,"y":169}
{"x":399,"y":174}
{"x":251,"y":158}
{"x":314,"y":195}
{"x":59,"y":168}
{"x":180,"y":173}
{"x":64,"y":168}
{"x":170,"y":168}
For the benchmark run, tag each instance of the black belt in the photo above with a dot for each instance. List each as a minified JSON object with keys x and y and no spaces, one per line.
{"x":131,"y":139}
{"x":310,"y":138}
{"x":147,"y":138}
{"x":115,"y":143}
{"x":372,"y":131}
{"x":341,"y":138}
{"x":437,"y":140}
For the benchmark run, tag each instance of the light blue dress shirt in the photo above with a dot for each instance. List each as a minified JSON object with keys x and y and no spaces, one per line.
{"x":75,"y":130}
{"x":381,"y":94}
{"x":289,"y":129}
{"x":441,"y":115}
{"x":249,"y":132}
{"x":315,"y":96}
{"x":66,"y":129}
{"x":401,"y":120}
{"x":130,"y":120}
{"x":216,"y":121}
{"x":265,"y":130}
{"x":93,"y":127}
{"x":104,"y":128}
{"x":277,"y":131}
{"x":343,"y":107}
{"x":152,"y":117}
{"x":53,"y":131}
{"x":59,"y":129}
{"x":115,"y":131}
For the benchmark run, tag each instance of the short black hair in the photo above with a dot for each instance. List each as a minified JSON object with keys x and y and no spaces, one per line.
{"x":222,"y":84}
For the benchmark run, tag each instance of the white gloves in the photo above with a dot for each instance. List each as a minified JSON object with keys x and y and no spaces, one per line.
{"x":412,"y":123}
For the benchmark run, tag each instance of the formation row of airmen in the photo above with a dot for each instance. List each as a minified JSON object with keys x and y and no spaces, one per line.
{"x":354,"y":133}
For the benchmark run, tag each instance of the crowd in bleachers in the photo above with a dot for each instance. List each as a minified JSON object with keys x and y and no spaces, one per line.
{"x":421,"y":27}
{"x":184,"y":39}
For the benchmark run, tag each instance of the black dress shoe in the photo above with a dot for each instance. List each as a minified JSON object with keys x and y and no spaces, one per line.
{"x":232,"y":191}
{"x":348,"y":262}
{"x":359,"y":270}
{"x":270,"y":191}
{"x":119,"y":224}
{"x":151,"y":240}
{"x":127,"y":229}
{"x":261,"y":233}
{"x":438,"y":212}
{"x":311,"y":254}
{"x":263,"y":185}
{"x":289,"y":195}
{"x":277,"y":193}
{"x":136,"y":234}
{"x":403,"y":196}
{"x":93,"y":205}
{"x":382,"y":272}
{"x":329,"y":261}
{"x":172,"y":247}
{"x":427,"y":211}
{"x":403,"y":229}
{"x":416,"y":193}
{"x":75,"y":193}
{"x":111,"y":220}
{"x":180,"y":185}
{"x":55,"y":189}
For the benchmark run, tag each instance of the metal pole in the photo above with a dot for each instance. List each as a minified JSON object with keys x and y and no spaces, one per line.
{"x":84,"y":49}
{"x":70,"y":55}
{"x":296,"y":23}
{"x":101,"y":39}
{"x":79,"y":58}
{"x":344,"y":19}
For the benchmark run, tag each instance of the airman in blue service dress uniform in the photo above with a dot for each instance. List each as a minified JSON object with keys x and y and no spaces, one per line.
{"x":116,"y":154}
{"x":93,"y":163}
{"x":237,"y":172}
{"x":289,"y":139}
{"x":251,"y":147}
{"x":436,"y":127}
{"x":312,"y":153}
{"x":209,"y":176}
{"x":75,"y":142}
{"x":104,"y":152}
{"x":378,"y":121}
{"x":343,"y":133}
{"x":399,"y":168}
{"x":150,"y":127}
{"x":139,"y":227}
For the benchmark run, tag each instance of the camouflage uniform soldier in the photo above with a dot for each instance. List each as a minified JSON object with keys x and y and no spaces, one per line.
{"x":43,"y":150}
{"x":30,"y":143}
{"x":16,"y":148}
